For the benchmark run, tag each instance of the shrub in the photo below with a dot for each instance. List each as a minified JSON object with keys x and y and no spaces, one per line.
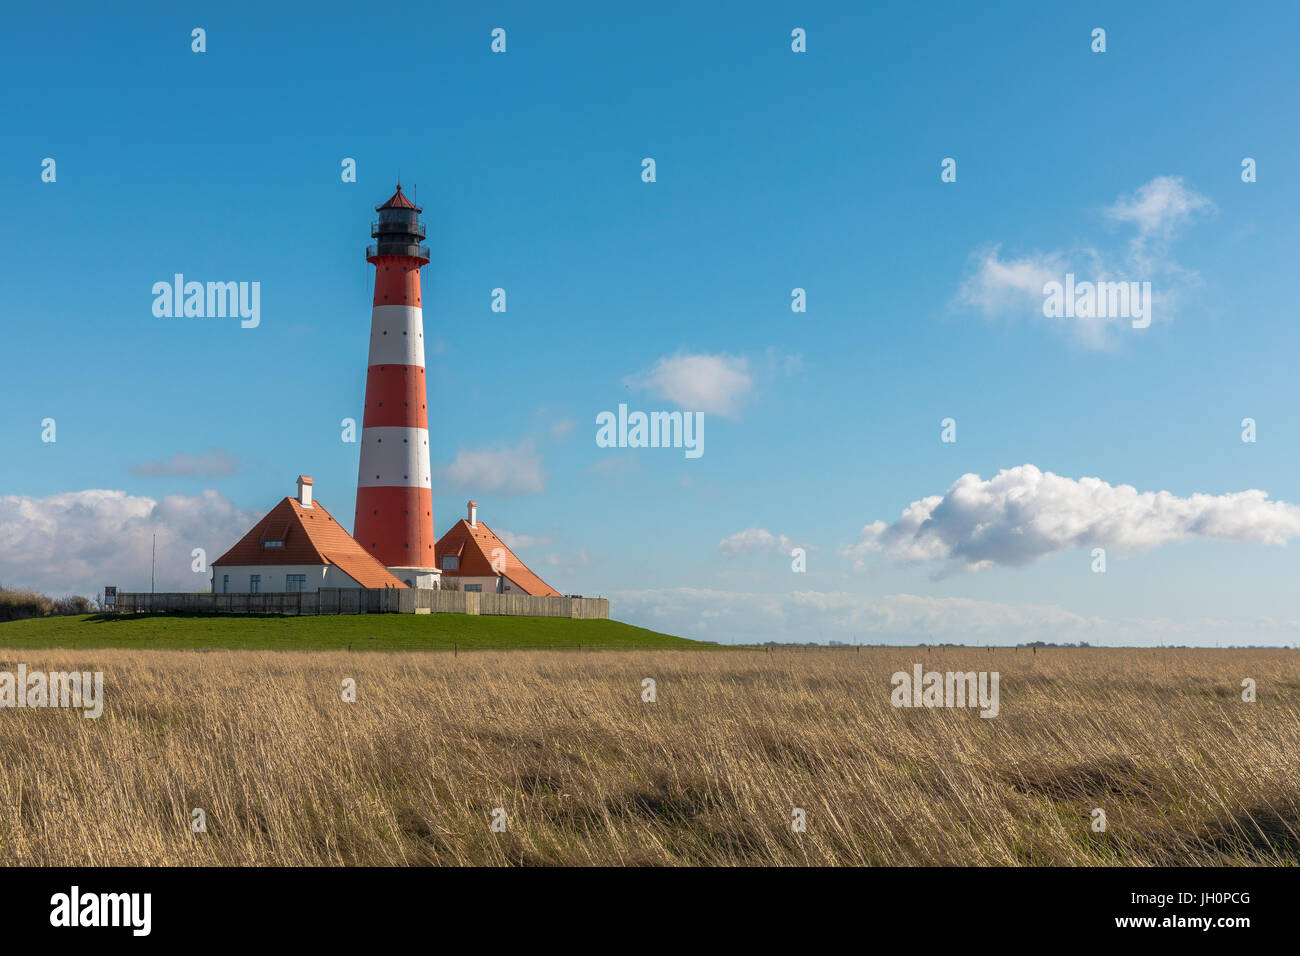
{"x":17,"y":603}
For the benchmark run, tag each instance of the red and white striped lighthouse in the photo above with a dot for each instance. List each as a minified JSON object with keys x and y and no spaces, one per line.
{"x":394,"y":519}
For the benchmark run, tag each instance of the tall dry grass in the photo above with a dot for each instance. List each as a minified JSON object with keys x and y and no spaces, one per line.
{"x":587,"y":773}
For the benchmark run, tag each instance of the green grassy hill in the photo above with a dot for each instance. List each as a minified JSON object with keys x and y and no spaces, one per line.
{"x":380,"y":632}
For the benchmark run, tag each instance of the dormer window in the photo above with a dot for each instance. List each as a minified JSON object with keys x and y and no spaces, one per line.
{"x":450,"y":562}
{"x":275,"y":535}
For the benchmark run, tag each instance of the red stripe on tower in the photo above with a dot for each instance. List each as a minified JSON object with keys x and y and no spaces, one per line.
{"x":394,"y":518}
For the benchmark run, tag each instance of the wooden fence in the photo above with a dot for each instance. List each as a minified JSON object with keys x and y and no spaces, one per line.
{"x":366,"y":601}
{"x":430,"y":601}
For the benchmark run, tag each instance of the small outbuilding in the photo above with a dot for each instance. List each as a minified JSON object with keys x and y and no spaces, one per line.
{"x":477,"y":560}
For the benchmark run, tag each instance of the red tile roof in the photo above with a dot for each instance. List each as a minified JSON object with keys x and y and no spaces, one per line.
{"x":309,"y":536}
{"x":475,"y":547}
{"x":398,"y":202}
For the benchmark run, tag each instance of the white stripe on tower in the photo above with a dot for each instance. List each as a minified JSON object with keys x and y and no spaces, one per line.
{"x":397,"y":335}
{"x":394,"y":457}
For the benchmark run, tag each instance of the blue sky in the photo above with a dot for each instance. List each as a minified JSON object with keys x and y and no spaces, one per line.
{"x":774,"y":170}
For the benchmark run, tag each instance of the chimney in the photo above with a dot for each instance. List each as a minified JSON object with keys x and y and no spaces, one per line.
{"x":304,"y":490}
{"x":473,"y":514}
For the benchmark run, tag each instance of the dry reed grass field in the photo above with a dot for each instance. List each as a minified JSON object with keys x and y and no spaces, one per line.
{"x":710,"y":773}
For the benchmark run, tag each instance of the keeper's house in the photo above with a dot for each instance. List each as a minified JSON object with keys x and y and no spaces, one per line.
{"x":475,"y":559}
{"x":298,"y":546}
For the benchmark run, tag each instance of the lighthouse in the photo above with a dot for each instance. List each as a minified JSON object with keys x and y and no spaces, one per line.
{"x":394,"y":518}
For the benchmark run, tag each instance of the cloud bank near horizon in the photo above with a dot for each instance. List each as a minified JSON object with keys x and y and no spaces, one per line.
{"x":732,"y":617}
{"x":1024,"y":514}
{"x":77,"y":542}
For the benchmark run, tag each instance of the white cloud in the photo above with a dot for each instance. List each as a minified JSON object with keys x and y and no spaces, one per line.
{"x":754,"y":541}
{"x":516,"y":541}
{"x":999,"y":284}
{"x":505,"y":471}
{"x":1160,"y":207}
{"x":213,"y":463}
{"x":1157,"y":211}
{"x":714,"y":384}
{"x":1023,"y":514}
{"x":802,"y":616}
{"x":79,"y":541}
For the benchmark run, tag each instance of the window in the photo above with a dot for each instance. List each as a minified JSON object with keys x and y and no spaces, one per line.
{"x":225,"y":584}
{"x":450,"y":562}
{"x":254,"y":583}
{"x":473,"y":587}
{"x":295,"y":582}
{"x":272,"y":543}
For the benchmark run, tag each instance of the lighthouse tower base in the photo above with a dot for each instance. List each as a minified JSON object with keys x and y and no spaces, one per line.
{"x":417,"y":577}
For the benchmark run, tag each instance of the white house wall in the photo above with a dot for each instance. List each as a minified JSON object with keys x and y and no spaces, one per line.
{"x":273,"y":577}
{"x":489,"y":584}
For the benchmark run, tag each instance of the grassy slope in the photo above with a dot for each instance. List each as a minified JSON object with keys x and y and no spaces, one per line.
{"x":361,"y":632}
